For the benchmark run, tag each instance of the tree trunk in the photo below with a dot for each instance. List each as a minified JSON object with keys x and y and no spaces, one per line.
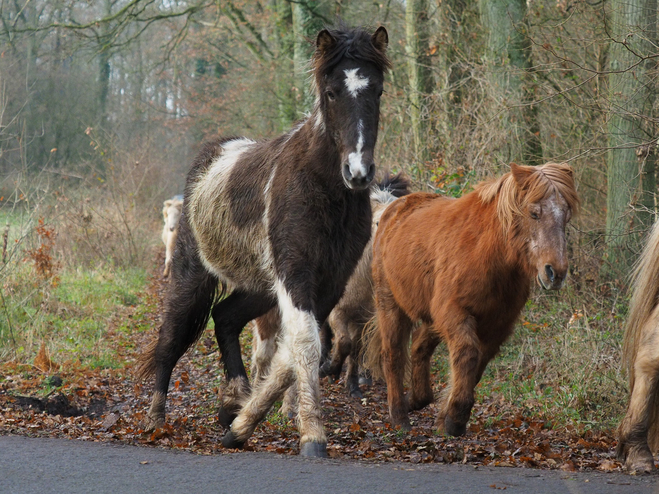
{"x":420,"y":77}
{"x":283,"y":62}
{"x":508,"y":55}
{"x":632,"y":136}
{"x":305,"y":27}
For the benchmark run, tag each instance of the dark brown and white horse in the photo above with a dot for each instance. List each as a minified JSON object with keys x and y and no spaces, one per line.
{"x":278,"y":223}
{"x":346,"y":321}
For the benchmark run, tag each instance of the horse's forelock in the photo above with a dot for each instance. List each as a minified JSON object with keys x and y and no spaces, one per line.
{"x":548,"y":178}
{"x":349,"y":43}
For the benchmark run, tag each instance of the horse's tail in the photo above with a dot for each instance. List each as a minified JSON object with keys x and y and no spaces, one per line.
{"x":645,"y":293}
{"x":397,"y":185}
{"x":192,"y":293}
{"x":372,"y":348}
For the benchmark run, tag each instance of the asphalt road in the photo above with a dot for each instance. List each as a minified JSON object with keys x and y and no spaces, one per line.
{"x":64,"y":466}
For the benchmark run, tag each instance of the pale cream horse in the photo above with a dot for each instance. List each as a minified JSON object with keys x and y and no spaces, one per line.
{"x":171,"y":213}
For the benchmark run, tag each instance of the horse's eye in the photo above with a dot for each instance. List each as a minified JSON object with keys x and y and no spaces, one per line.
{"x":535,"y":215}
{"x":330,"y":95}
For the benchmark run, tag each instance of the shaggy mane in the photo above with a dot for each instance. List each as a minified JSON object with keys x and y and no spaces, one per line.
{"x":546,"y":179}
{"x":351,"y":43}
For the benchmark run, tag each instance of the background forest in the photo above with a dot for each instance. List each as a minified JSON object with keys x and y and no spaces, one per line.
{"x":103,"y":104}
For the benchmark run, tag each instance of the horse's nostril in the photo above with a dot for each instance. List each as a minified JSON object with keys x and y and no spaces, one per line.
{"x":371,"y":172}
{"x":550,"y":272}
{"x":346,"y":171}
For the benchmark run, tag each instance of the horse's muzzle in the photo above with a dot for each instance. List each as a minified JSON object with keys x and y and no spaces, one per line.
{"x":551,"y":279}
{"x":358,"y":180}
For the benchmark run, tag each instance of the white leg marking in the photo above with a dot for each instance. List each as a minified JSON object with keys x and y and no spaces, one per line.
{"x":301,"y":336}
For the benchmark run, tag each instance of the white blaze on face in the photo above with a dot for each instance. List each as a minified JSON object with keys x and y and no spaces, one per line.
{"x":357,"y":167}
{"x":354,"y":82}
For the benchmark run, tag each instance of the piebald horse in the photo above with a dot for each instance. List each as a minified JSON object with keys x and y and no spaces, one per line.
{"x":280,"y":223}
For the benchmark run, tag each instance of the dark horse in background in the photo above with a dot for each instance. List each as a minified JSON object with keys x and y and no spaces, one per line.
{"x":280,"y":223}
{"x":462,"y":268}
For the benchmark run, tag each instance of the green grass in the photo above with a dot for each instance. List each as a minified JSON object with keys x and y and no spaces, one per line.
{"x":562,"y":364}
{"x":71,"y":313}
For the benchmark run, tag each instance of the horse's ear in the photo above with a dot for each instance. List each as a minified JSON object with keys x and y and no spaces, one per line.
{"x":521,"y":173}
{"x":324,"y":41}
{"x":167,"y":203}
{"x":380,"y":39}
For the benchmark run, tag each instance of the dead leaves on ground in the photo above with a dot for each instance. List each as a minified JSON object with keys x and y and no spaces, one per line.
{"x":106,"y":405}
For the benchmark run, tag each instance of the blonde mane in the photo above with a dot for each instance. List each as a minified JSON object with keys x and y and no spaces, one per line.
{"x":511,"y":199}
{"x":644,"y":298}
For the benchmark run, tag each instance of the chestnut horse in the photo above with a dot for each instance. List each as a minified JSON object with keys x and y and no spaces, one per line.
{"x":279,"y":223}
{"x":638,"y":434}
{"x":462,"y":268}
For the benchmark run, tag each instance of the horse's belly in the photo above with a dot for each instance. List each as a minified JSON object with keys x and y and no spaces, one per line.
{"x":237,"y":252}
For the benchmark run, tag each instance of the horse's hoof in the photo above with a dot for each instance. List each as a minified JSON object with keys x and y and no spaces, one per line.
{"x":225,"y":417}
{"x":640,"y":465}
{"x":453,"y":428}
{"x":402,"y":423}
{"x":356,"y":393}
{"x":419,"y":404}
{"x":314,"y":449}
{"x":230,"y":441}
{"x":153,"y":423}
{"x":365,"y":381}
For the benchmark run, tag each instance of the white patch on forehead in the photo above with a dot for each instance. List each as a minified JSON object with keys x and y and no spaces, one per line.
{"x":354,"y":82}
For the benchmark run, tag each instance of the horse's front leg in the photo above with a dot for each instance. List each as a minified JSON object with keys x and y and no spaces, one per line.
{"x":465,"y":355}
{"x":230,"y":316}
{"x":297,"y":358}
{"x":633,"y":448}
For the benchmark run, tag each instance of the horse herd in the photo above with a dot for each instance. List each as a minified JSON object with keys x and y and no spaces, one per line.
{"x":291,"y":233}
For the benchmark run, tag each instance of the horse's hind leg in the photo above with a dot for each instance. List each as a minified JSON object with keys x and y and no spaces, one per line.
{"x":340,"y":350}
{"x":325,"y":342}
{"x":465,"y":355}
{"x":633,"y":448}
{"x":424,"y":342}
{"x":230,"y":316}
{"x":352,"y":368}
{"x":395,"y":328}
{"x":187,"y":310}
